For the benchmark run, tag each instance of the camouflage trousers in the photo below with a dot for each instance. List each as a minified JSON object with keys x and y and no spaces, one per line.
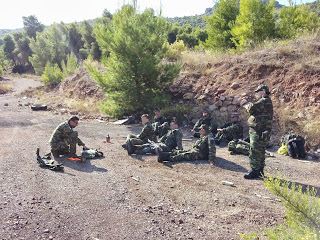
{"x":186,"y":155}
{"x":65,"y":145}
{"x":220,"y":136}
{"x":239,"y":147}
{"x":139,"y":148}
{"x":135,"y":140}
{"x":257,"y":150}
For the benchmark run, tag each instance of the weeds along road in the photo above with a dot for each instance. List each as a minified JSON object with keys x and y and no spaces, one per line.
{"x":126,"y":197}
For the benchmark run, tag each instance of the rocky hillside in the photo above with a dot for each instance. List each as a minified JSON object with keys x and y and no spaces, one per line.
{"x":291,"y":71}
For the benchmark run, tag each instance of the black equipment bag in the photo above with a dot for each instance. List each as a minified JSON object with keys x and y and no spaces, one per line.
{"x":295,"y":144}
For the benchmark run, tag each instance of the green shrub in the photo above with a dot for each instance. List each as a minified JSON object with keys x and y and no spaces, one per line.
{"x":52,"y":75}
{"x":1,"y":71}
{"x":175,"y":50}
{"x":302,"y":211}
{"x":181,"y":112}
{"x":71,"y":66}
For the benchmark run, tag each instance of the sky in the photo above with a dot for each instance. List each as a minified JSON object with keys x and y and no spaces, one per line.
{"x":68,"y":11}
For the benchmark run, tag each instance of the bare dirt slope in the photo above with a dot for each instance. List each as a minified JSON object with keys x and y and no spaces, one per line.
{"x":126,"y":197}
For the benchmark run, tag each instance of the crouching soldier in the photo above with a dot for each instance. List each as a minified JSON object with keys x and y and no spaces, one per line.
{"x":168,"y":142}
{"x":203,"y":149}
{"x":231,"y":130}
{"x":147,"y":133}
{"x":63,"y":140}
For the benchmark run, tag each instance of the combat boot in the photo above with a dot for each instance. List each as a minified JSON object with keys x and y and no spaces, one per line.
{"x":252,"y":174}
{"x":162,"y":156}
{"x":130,"y":148}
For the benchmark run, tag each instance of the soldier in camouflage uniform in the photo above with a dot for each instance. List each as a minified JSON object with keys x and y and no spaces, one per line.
{"x":239,"y":146}
{"x":204,"y":148}
{"x":168,"y":142}
{"x":260,"y":121}
{"x":64,"y":140}
{"x":147,"y":133}
{"x":160,"y":124}
{"x":207,"y":119}
{"x":231,"y":130}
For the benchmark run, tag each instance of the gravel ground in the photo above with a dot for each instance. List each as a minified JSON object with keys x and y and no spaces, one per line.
{"x":126,"y":197}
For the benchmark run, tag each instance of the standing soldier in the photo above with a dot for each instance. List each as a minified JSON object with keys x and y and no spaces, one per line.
{"x":203,"y":149}
{"x":260,"y":124}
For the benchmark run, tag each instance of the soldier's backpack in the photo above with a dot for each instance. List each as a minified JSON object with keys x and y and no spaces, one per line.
{"x":295,"y":145}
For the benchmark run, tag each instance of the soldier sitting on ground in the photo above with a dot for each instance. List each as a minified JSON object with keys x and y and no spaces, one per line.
{"x":63,"y":140}
{"x":203,"y":149}
{"x":168,"y":142}
{"x":239,"y":146}
{"x":160,"y":124}
{"x":231,"y":130}
{"x":207,"y":119}
{"x":147,"y":133}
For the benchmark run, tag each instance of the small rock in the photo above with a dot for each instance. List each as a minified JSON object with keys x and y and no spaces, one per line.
{"x":46,"y":231}
{"x":6,"y":104}
{"x":235,"y":86}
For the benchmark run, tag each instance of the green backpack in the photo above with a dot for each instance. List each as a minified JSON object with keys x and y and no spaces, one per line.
{"x":91,"y":153}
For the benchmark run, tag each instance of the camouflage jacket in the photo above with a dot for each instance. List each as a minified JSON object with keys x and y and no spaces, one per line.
{"x":210,"y":121}
{"x":147,"y":132}
{"x":261,"y":114}
{"x":205,"y":147}
{"x":234,"y":129}
{"x":63,"y":132}
{"x":172,"y":139}
{"x":160,"y":120}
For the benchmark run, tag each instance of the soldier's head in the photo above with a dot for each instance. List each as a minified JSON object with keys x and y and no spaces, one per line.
{"x":145,"y":118}
{"x":73,"y":121}
{"x":157,"y":113}
{"x":205,"y":114}
{"x":262,"y":91}
{"x":174,"y":124}
{"x":234,"y":117}
{"x":204,"y":129}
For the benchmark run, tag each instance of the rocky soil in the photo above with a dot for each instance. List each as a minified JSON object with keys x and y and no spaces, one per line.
{"x":126,"y":197}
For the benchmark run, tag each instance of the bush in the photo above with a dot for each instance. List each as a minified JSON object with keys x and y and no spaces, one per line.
{"x":52,"y":75}
{"x":302,"y":211}
{"x":181,"y":112}
{"x":18,"y":69}
{"x":1,"y":71}
{"x":71,"y":66}
{"x":175,"y":50}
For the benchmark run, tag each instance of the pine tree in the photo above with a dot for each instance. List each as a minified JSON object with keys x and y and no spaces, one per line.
{"x":254,"y":24}
{"x":218,"y":24}
{"x":136,"y":72}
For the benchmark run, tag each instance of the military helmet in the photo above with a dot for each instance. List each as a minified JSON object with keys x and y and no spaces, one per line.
{"x":204,"y":127}
{"x":263,"y":87}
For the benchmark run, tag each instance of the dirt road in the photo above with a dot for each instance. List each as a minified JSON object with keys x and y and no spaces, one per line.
{"x":126,"y":197}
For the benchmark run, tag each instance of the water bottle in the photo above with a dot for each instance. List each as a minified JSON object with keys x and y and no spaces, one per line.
{"x":108,"y":138}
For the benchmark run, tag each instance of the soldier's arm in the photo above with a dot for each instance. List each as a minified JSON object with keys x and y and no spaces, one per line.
{"x":255,"y":107}
{"x":197,"y":125}
{"x":231,"y":128}
{"x":145,"y":132}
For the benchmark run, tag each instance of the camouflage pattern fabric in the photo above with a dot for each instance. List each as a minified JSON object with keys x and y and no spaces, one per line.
{"x":239,"y":147}
{"x":231,"y":130}
{"x":170,"y":141}
{"x":203,"y":149}
{"x":260,"y":124}
{"x":147,"y":133}
{"x":161,"y":120}
{"x":63,"y":138}
{"x":161,"y":129}
{"x":210,"y":121}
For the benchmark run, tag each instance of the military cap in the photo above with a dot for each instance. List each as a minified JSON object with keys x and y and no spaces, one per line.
{"x":263,"y":87}
{"x":204,"y":127}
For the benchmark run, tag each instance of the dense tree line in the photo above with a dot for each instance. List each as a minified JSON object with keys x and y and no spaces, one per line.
{"x":134,"y":48}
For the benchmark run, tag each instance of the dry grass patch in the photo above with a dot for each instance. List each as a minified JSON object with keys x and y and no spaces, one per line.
{"x":5,"y":87}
